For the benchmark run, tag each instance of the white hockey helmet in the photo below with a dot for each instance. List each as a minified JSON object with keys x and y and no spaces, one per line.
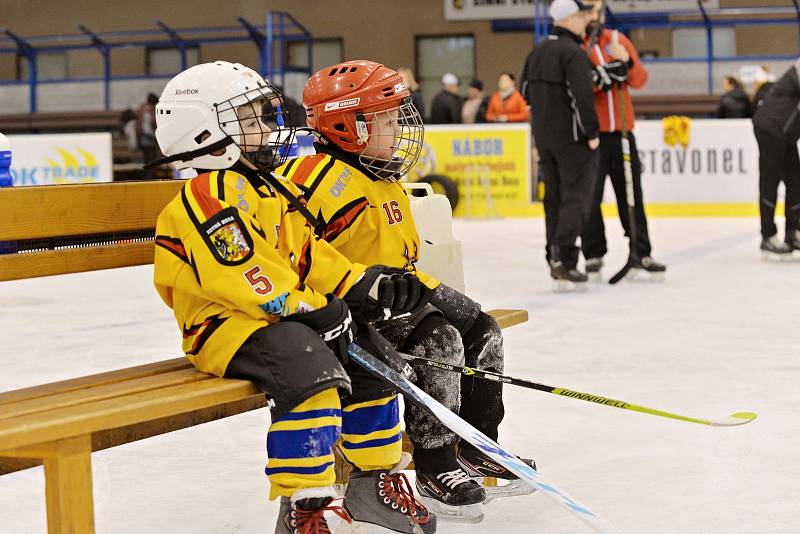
{"x":196,"y":116}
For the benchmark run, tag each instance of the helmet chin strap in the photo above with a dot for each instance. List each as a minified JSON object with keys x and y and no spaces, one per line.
{"x":361,"y":128}
{"x":188,"y":156}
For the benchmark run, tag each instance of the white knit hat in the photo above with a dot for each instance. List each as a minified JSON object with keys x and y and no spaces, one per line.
{"x":561,"y":9}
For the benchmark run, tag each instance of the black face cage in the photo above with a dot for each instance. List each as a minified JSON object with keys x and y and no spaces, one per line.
{"x":260,"y":123}
{"x":406,"y":142}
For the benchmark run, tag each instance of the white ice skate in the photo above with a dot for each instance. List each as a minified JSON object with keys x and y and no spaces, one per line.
{"x":775,"y":250}
{"x":594,"y":268}
{"x":646,"y":269}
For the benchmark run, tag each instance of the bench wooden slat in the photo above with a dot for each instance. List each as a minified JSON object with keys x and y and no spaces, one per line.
{"x":94,"y":394}
{"x":82,"y":209}
{"x":120,"y":411}
{"x":75,"y":260}
{"x":99,"y":379}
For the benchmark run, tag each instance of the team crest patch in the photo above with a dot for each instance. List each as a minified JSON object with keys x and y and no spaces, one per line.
{"x":228,"y":238}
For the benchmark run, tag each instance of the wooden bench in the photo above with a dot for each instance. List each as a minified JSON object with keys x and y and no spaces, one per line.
{"x":59,"y":425}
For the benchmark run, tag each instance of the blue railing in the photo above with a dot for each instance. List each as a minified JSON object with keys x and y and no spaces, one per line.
{"x":695,"y":18}
{"x":279,"y":29}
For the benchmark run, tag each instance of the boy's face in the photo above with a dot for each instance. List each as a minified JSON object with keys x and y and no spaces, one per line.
{"x":255,"y":132}
{"x":383,"y":135}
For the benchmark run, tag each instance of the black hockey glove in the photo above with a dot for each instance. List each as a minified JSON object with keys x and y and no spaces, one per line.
{"x":386,"y":293}
{"x":604,"y":76}
{"x":333,"y":323}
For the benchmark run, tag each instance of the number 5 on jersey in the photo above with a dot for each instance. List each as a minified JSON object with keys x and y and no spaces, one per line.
{"x":260,"y":283}
{"x":393,"y":212}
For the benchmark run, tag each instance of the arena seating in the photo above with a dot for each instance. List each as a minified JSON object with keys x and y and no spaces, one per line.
{"x":59,"y":425}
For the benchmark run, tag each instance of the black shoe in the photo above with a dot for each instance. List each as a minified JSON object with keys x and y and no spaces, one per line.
{"x":593,"y":265}
{"x":452,"y":495}
{"x":648,"y":264}
{"x":559,"y":271}
{"x":774,"y":249}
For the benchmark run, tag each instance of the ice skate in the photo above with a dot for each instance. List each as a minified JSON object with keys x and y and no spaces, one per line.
{"x":452,"y":495}
{"x":383,"y":501}
{"x":646,"y":269}
{"x":307,"y":513}
{"x":793,"y":240}
{"x":478,"y":465}
{"x":594,"y":267}
{"x":565,"y":279}
{"x":773,"y":249}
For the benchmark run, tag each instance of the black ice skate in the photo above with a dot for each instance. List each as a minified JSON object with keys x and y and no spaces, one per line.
{"x":793,"y":239}
{"x":593,"y":268}
{"x":452,"y":495}
{"x":773,"y":249}
{"x":567,"y":279}
{"x":383,"y":499}
{"x":477,"y":464}
{"x":646,"y":268}
{"x":297,"y":516}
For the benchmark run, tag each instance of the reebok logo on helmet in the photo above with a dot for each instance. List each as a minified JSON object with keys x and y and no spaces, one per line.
{"x":179,"y":92}
{"x":341,"y":104}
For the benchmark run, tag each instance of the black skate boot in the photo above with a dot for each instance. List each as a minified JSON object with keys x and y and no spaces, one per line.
{"x":773,"y":249}
{"x":383,"y":499}
{"x":477,"y":464}
{"x":593,"y":268}
{"x":564,"y":278}
{"x":793,"y":239}
{"x":445,"y":488}
{"x":646,"y":268}
{"x":302,"y":515}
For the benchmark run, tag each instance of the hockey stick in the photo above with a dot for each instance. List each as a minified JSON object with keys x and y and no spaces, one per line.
{"x":629,"y":196}
{"x":486,"y":445}
{"x":736,"y":419}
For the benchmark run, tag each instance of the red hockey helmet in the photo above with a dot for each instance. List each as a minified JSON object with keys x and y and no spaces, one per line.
{"x":364,"y":108}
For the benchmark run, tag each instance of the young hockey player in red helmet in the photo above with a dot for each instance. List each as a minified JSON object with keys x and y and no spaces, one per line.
{"x":369,"y":135}
{"x":258,"y":296}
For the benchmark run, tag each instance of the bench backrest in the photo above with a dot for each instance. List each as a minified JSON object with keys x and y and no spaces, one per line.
{"x":74,"y":228}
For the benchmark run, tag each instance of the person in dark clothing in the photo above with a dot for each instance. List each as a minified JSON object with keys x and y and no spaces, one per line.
{"x":446,"y":105}
{"x":566,"y":129}
{"x":776,"y":124}
{"x":734,"y":104}
{"x":146,"y":133}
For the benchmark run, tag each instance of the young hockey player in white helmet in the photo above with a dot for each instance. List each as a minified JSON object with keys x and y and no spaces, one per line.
{"x":369,"y":135}
{"x":258,"y":296}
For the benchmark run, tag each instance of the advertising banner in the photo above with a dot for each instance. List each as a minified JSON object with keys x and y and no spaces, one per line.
{"x":525,"y":9}
{"x":61,"y":158}
{"x":490,"y":163}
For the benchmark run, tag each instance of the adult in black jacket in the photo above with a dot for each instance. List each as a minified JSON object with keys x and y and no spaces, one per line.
{"x":776,"y":123}
{"x":566,"y":130}
{"x":734,"y":104}
{"x":446,"y":105}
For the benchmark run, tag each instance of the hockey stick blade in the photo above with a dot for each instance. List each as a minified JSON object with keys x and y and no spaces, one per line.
{"x":621,"y":274}
{"x":469,"y":433}
{"x":736,"y":419}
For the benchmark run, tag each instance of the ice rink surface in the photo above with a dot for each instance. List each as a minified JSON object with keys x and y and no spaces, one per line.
{"x":721,"y":335}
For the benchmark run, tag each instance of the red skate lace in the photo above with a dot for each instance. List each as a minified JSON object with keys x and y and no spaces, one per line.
{"x":312,"y":521}
{"x":397,"y":492}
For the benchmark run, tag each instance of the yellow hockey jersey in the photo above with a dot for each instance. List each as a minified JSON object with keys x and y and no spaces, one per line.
{"x":369,"y":221}
{"x":232,"y":258}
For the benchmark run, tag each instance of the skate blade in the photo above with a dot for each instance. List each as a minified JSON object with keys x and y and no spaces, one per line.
{"x":360,"y":527}
{"x":565,"y":286}
{"x":642,"y":275}
{"x":514,"y":488}
{"x":470,"y":513}
{"x":772,"y":257}
{"x":595,"y":277}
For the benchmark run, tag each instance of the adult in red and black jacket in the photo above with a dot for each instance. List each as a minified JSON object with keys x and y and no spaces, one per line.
{"x":617,"y":66}
{"x":565,"y":127}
